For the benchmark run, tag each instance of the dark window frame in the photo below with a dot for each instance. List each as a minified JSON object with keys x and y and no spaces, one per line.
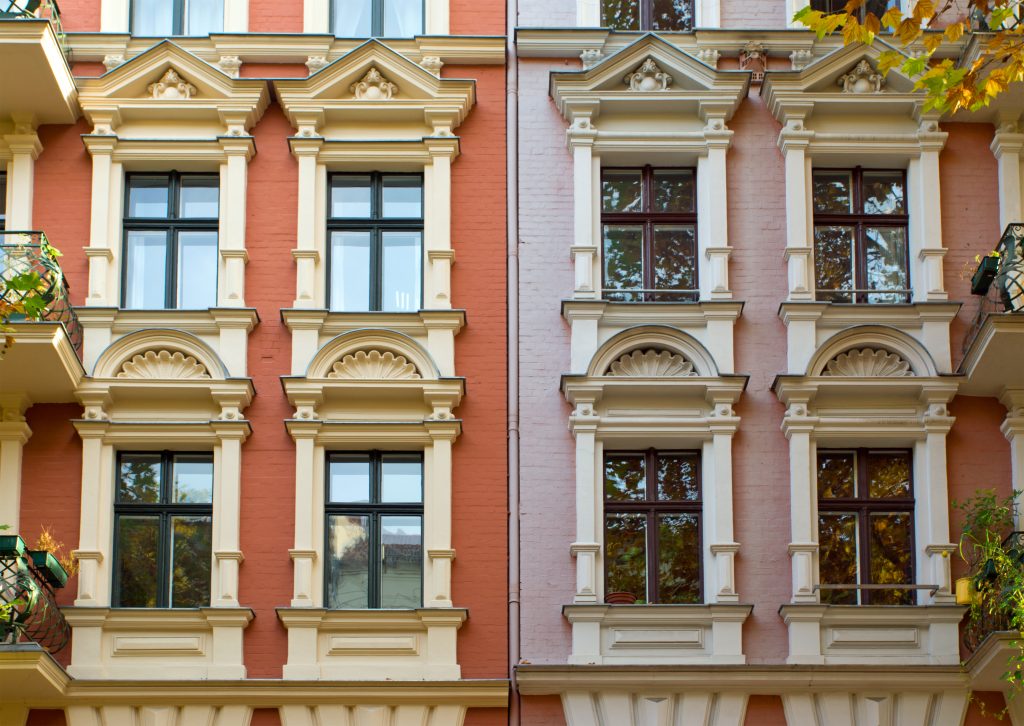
{"x":647,"y":18}
{"x":177,"y":21}
{"x":165,"y":509}
{"x":836,"y":6}
{"x":374,"y":510}
{"x":651,"y":507}
{"x":860,"y":221}
{"x":3,"y":201}
{"x":649,"y":219}
{"x":376,"y":224}
{"x":172,"y":225}
{"x":377,"y":19}
{"x":863,"y":506}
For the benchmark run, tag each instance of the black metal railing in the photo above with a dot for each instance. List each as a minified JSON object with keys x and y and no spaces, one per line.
{"x":28,"y":603}
{"x":990,"y":616}
{"x":980,"y":22}
{"x":27,"y":257}
{"x":35,"y":10}
{"x":999,"y":282}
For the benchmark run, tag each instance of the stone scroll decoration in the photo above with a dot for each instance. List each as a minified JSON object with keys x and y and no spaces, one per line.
{"x":164,"y":365}
{"x":374,"y":365}
{"x":171,"y":86}
{"x":862,"y":79}
{"x":373,"y":87}
{"x":868,"y":363}
{"x":651,"y":364}
{"x":648,"y":77}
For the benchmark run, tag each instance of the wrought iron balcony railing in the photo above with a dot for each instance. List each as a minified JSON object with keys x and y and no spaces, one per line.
{"x":35,"y":10}
{"x":999,"y":281}
{"x":28,"y":604}
{"x":990,"y":617}
{"x":32,"y":284}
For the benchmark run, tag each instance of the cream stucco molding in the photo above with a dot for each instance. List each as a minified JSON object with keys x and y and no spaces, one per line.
{"x":14,"y":434}
{"x":19,"y":150}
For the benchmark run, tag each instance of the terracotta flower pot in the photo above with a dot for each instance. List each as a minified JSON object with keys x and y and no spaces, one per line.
{"x":620,"y":598}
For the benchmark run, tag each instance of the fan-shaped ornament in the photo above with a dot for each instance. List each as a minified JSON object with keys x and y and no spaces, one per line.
{"x":868,"y":363}
{"x":374,"y":365}
{"x":651,"y":364}
{"x":163,"y":364}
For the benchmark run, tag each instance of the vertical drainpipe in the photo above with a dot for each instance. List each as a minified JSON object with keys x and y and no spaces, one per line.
{"x":512,"y":280}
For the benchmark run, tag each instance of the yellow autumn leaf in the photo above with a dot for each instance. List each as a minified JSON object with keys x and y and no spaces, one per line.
{"x":924,"y":10}
{"x":932,"y":41}
{"x":892,"y":17}
{"x":908,"y":31}
{"x":954,"y":32}
{"x":887,"y":60}
{"x":872,"y":24}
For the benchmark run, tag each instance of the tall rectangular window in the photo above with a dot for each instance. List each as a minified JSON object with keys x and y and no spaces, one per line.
{"x":375,"y":227}
{"x":374,"y":528}
{"x":3,"y":202}
{"x":860,"y":236}
{"x":159,"y":18}
{"x":170,"y":231}
{"x":878,"y":7}
{"x":652,"y":535}
{"x":866,"y":525}
{"x":649,"y":223}
{"x":377,"y":18}
{"x":163,"y":525}
{"x":671,"y":15}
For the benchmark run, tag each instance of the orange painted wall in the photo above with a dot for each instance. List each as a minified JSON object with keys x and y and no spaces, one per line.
{"x":986,"y":709}
{"x":269,"y":16}
{"x":542,"y":711}
{"x":80,"y":15}
{"x":472,"y":17}
{"x":765,"y":711}
{"x":273,"y":70}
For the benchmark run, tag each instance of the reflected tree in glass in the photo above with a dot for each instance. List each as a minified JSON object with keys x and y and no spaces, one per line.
{"x":626,"y":553}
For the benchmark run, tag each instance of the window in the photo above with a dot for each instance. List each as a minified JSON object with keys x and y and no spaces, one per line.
{"x":652,"y":510}
{"x":375,"y":227}
{"x":377,"y":18}
{"x":647,"y":14}
{"x":649,"y":223}
{"x":860,"y":236}
{"x":158,"y":18}
{"x":3,"y":201}
{"x":170,"y":230}
{"x":163,"y":521}
{"x":878,"y":7}
{"x":374,"y":530}
{"x":865,"y":525}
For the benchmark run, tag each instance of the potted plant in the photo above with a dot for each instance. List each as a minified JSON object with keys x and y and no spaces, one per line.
{"x":988,"y":268}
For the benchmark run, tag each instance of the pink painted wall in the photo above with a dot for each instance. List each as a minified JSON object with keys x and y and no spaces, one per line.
{"x":754,"y":14}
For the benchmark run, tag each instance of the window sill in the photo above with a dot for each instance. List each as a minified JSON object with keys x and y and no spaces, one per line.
{"x":369,"y":645}
{"x":657,"y":634}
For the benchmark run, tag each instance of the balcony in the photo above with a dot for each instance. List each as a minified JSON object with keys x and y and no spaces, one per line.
{"x":32,"y":42}
{"x":991,"y":352}
{"x":42,"y":340}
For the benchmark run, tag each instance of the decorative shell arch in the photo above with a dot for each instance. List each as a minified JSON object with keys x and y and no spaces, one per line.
{"x":868,"y":363}
{"x":651,"y":363}
{"x":374,"y":365}
{"x":164,"y":365}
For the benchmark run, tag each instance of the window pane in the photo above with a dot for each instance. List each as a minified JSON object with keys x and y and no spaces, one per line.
{"x":674,"y":191}
{"x":836,"y":475}
{"x":883,"y":192}
{"x":625,"y":544}
{"x":190,"y":561}
{"x":886,"y":251}
{"x":674,"y":262}
{"x":204,"y":17}
{"x":624,"y":478}
{"x":148,"y":196}
{"x":620,"y":14}
{"x":200,"y":198}
{"x":400,"y":286}
{"x":833,"y":263}
{"x":139,"y":480}
{"x":677,"y":477}
{"x":352,"y":18}
{"x":672,"y":14}
{"x":623,"y":261}
{"x":403,"y":18}
{"x":837,"y":541}
{"x":350,"y":271}
{"x":147,"y":273}
{"x":197,"y":270}
{"x":3,"y":200}
{"x":348,"y":564}
{"x":137,"y":539}
{"x":350,"y":197}
{"x":401,"y":478}
{"x":679,"y":558}
{"x":891,"y":557}
{"x":192,"y":479}
{"x":401,"y":574}
{"x":888,"y":475}
{"x":621,"y":191}
{"x":349,"y":479}
{"x":402,"y":196}
{"x":152,"y":17}
{"x":832,"y":192}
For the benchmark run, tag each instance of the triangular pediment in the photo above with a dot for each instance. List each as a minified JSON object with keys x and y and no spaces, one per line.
{"x":650,"y":72}
{"x":374,"y":80}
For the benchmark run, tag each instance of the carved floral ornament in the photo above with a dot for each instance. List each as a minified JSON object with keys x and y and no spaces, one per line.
{"x":648,"y":77}
{"x":862,"y":79}
{"x":374,"y":365}
{"x":171,"y":86}
{"x":868,"y":363}
{"x":651,"y":364}
{"x":373,"y":87}
{"x":163,"y":364}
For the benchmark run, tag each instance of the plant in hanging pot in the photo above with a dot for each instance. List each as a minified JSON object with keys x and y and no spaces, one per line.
{"x":988,"y":268}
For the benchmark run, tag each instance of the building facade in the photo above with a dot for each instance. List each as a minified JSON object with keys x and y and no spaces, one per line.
{"x":564,"y":362}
